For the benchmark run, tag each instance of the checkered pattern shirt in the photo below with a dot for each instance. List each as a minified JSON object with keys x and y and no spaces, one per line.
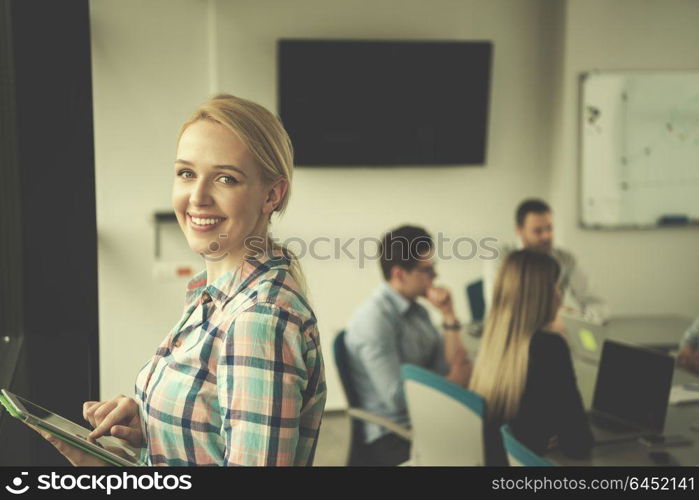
{"x":240,"y":379}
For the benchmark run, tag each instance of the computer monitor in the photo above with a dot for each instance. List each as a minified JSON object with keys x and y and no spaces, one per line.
{"x":633,"y":385}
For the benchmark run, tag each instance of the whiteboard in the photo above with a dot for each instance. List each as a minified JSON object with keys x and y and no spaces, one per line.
{"x":639,"y":149}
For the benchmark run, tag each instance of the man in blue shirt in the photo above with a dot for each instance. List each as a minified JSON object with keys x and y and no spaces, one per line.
{"x":391,"y":328}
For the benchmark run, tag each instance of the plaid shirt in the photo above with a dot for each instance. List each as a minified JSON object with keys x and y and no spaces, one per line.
{"x":240,"y":379}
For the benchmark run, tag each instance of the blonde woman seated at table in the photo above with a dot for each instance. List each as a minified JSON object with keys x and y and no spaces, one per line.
{"x":524,"y":370}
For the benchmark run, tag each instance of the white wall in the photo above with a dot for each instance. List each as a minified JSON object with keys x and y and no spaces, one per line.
{"x":360,"y":203}
{"x":653,"y":271}
{"x":150,"y":69}
{"x":148,"y":59}
{"x":152,"y":64}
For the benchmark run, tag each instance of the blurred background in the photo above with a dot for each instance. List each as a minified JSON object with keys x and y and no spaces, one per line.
{"x":146,"y":65}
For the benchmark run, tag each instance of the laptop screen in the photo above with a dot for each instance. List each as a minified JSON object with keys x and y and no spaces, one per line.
{"x":633,"y":384}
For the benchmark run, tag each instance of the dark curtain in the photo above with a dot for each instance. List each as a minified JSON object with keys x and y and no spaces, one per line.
{"x":48,"y":237}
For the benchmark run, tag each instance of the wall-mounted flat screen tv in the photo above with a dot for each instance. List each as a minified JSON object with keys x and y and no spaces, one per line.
{"x":385,"y":103}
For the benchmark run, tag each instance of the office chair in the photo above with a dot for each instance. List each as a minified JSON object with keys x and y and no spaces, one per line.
{"x":447,"y":420}
{"x":358,"y":416}
{"x":519,"y":455}
{"x":476,"y":303}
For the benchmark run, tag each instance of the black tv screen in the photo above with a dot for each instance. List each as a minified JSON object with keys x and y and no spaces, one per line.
{"x":383,"y":103}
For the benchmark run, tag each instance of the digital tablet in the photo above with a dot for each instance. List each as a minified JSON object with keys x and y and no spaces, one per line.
{"x":109,"y":449}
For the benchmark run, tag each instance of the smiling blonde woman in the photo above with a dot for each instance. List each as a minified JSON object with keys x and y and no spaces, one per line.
{"x":240,"y":379}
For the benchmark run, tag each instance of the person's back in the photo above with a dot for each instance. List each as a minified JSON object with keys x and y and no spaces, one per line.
{"x":551,"y":410}
{"x":524,"y":371}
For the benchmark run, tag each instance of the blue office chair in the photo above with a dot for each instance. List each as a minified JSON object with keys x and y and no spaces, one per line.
{"x":519,"y":455}
{"x":476,"y":300}
{"x":357,"y":451}
{"x":476,"y":303}
{"x":446,"y":419}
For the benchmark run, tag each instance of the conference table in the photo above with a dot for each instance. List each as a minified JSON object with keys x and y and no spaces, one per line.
{"x":680,"y":420}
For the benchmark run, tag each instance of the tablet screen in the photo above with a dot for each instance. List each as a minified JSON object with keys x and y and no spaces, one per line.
{"x":77,"y":431}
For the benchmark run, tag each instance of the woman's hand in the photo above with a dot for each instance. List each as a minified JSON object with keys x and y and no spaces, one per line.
{"x":118,"y":417}
{"x":75,"y":455}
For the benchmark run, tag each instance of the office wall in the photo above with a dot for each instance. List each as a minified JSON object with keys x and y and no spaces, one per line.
{"x":356,"y":203}
{"x":152,"y":65}
{"x":149,"y":71}
{"x":652,"y":271}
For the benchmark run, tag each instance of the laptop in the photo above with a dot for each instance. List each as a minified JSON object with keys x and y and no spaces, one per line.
{"x":585,"y":337}
{"x":631,"y":392}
